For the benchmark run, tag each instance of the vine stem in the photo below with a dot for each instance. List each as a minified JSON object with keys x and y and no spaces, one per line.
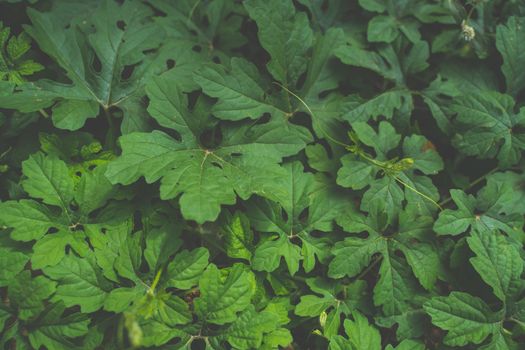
{"x":418,"y":192}
{"x":313,"y":116}
{"x":190,"y":15}
{"x":3,"y":154}
{"x":44,"y":113}
{"x":470,"y":185}
{"x":362,"y":154}
{"x":151,"y":290}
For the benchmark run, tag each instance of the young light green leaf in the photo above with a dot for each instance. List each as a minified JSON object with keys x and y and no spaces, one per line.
{"x":238,"y":236}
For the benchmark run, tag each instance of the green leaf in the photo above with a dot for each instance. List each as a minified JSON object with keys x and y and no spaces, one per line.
{"x":466,"y":318}
{"x":248,"y":330}
{"x":491,"y":216}
{"x":361,"y":334}
{"x":54,"y":330}
{"x":187,"y":267}
{"x":312,"y":305}
{"x":79,"y":282}
{"x":424,"y":262}
{"x":407,"y":345}
{"x":384,"y":194}
{"x":29,"y":294}
{"x":373,"y":5}
{"x":284,"y":34}
{"x":222,"y":297}
{"x":362,"y":250}
{"x":13,"y":67}
{"x":72,"y":114}
{"x":498,"y":263}
{"x":120,"y":299}
{"x":236,"y":166}
{"x":495,"y":129}
{"x":48,"y":179}
{"x":268,"y":255}
{"x":129,"y":257}
{"x":238,"y":236}
{"x":13,"y":258}
{"x":455,"y":222}
{"x":395,"y":286}
{"x":355,"y":173}
{"x":423,"y":153}
{"x":161,"y":244}
{"x":320,"y":75}
{"x":115,"y":46}
{"x":93,"y":190}
{"x":382,"y":29}
{"x":50,"y":249}
{"x":384,"y":104}
{"x":382,"y":141}
{"x":29,"y":219}
{"x":511,"y":48}
{"x":393,"y":62}
{"x":238,"y":90}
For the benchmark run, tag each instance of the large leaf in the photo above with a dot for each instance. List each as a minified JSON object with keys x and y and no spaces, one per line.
{"x":285,"y":34}
{"x":467,"y":319}
{"x":236,"y":166}
{"x":497,"y":262}
{"x":116,"y":36}
{"x":79,"y":283}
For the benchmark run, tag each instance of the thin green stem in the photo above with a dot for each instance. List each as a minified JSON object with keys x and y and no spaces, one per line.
{"x":190,"y":15}
{"x":3,"y":154}
{"x":156,"y":280}
{"x":313,"y":116}
{"x":43,"y":113}
{"x":418,"y":192}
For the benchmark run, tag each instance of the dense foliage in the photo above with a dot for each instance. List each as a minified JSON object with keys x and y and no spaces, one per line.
{"x":262,"y":174}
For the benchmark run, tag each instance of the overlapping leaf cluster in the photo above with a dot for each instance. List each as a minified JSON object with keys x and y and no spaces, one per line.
{"x":262,"y":174}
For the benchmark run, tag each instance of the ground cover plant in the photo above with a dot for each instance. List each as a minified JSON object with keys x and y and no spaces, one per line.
{"x":262,"y":174}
